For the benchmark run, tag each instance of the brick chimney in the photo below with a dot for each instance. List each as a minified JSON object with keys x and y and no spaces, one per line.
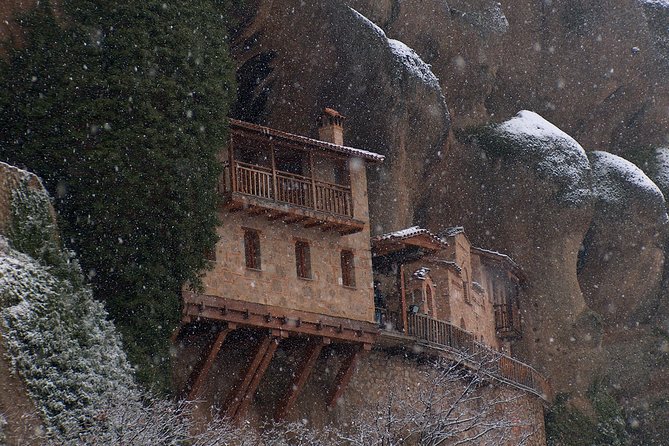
{"x":331,"y":126}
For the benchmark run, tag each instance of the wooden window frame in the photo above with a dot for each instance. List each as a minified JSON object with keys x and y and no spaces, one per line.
{"x":252,"y":255}
{"x":347,"y":258}
{"x":303,"y":259}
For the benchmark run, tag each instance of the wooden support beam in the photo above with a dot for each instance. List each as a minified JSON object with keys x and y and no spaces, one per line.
{"x":276,"y":215}
{"x":344,"y":376}
{"x":294,"y":218}
{"x":216,"y":308}
{"x":239,"y":392}
{"x":199,"y":375}
{"x":257,"y":378}
{"x":329,"y":226}
{"x":300,"y":378}
{"x":233,"y":206}
{"x":312,"y":222}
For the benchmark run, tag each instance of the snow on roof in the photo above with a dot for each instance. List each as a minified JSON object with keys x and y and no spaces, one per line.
{"x":453,"y":231}
{"x":350,"y":151}
{"x":614,"y":178}
{"x":404,"y":234}
{"x":404,"y":54}
{"x":556,"y":155}
{"x":513,"y":266}
{"x":448,"y":263}
{"x":421,"y":273}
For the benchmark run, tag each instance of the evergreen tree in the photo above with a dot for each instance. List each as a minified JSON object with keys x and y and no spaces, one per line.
{"x":121,"y":108}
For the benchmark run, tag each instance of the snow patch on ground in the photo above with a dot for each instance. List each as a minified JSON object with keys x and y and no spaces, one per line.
{"x":614,"y":178}
{"x":554,"y":153}
{"x":409,"y":59}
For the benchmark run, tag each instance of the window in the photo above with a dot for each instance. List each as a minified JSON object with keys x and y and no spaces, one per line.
{"x":347,"y":269}
{"x":302,"y":259}
{"x":252,"y":248}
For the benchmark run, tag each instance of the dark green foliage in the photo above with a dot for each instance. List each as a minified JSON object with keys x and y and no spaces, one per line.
{"x":121,"y":108}
{"x":567,"y":425}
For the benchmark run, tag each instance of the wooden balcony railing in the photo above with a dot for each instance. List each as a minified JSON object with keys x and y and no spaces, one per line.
{"x":507,"y":321}
{"x":289,"y":188}
{"x":504,"y":367}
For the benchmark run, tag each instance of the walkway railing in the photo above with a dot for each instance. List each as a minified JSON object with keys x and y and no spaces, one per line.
{"x":293,"y":189}
{"x":443,"y":334}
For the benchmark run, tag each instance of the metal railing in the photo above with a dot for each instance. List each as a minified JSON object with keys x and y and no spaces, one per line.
{"x":443,"y":334}
{"x":289,"y":188}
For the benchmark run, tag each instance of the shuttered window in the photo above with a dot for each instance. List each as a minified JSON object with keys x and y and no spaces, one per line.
{"x":302,"y":259}
{"x":347,"y":269}
{"x":252,"y":248}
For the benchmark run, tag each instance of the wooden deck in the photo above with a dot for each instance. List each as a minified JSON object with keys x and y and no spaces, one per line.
{"x":283,"y":321}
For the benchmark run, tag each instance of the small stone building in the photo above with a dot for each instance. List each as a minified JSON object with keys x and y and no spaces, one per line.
{"x":445,"y":278}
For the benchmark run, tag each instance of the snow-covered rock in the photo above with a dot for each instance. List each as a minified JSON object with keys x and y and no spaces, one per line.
{"x":615,"y":180}
{"x":409,"y":61}
{"x":555,"y":156}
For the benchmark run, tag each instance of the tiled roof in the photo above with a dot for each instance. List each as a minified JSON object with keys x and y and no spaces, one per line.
{"x":503,"y":258}
{"x":455,"y":230}
{"x":350,"y":151}
{"x":408,"y":233}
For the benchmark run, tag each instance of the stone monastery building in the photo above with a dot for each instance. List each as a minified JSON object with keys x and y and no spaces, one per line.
{"x":296,"y":279}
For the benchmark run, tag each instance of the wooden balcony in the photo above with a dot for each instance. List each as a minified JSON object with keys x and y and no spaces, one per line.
{"x":444,"y":336}
{"x":289,"y":197}
{"x":507,"y":321}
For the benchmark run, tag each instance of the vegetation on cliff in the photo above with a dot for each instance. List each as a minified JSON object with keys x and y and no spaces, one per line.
{"x":57,"y":336}
{"x":121,"y":108}
{"x":567,"y":425}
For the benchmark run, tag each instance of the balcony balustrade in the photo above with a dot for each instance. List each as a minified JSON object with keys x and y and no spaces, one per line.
{"x":505,"y":368}
{"x":291,"y":197}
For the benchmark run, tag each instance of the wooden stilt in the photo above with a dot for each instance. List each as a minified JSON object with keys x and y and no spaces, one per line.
{"x":344,"y":376}
{"x":261,"y":358}
{"x":257,"y":378}
{"x":199,"y":375}
{"x":300,"y":378}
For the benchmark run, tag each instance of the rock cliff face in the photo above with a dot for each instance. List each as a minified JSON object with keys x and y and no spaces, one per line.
{"x":427,"y":82}
{"x":589,"y":231}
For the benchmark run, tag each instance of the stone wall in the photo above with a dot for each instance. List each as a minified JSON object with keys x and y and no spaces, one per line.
{"x":382,"y":375}
{"x":277,"y":282}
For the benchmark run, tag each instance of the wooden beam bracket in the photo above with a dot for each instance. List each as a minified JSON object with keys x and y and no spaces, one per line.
{"x":344,"y":376}
{"x":241,"y":395}
{"x":199,"y":375}
{"x":300,"y":378}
